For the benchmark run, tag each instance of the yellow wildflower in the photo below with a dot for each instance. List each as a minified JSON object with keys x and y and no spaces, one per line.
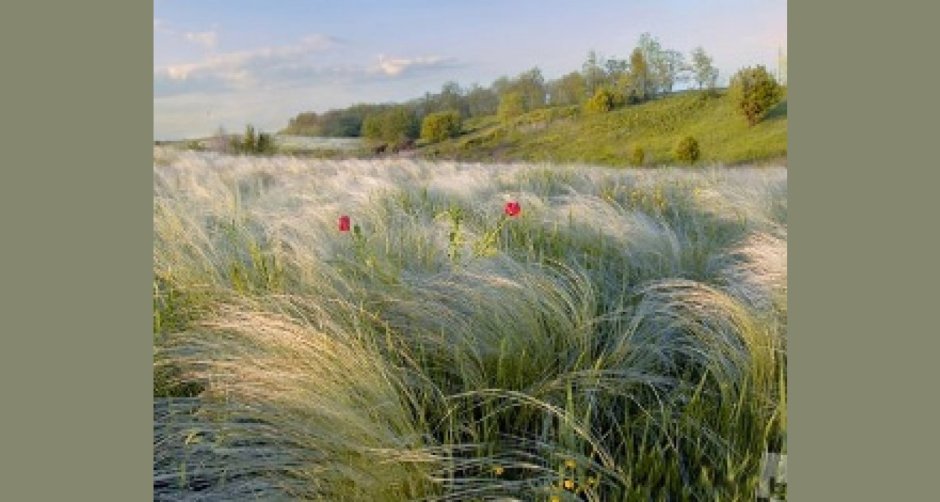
{"x":568,"y":484}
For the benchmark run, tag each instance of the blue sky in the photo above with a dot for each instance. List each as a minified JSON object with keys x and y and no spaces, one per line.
{"x":232,"y":62}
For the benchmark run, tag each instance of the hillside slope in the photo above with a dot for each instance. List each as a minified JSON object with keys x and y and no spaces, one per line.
{"x":569,"y":134}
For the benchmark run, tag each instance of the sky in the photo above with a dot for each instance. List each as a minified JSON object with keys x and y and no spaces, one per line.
{"x":228,"y":63}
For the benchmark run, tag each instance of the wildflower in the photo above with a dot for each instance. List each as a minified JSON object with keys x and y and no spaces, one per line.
{"x":513,"y":208}
{"x":570,"y":463}
{"x":568,"y":484}
{"x":555,"y":499}
{"x":498,"y":470}
{"x":344,"y":223}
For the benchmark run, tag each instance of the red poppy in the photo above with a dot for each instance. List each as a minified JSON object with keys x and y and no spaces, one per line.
{"x":513,"y":208}
{"x":344,"y":223}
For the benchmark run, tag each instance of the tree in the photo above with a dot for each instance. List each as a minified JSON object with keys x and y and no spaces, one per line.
{"x":440,"y":126}
{"x":639,"y":80}
{"x":394,"y":125}
{"x":249,"y":141}
{"x":602,"y":101}
{"x":570,"y":89}
{"x":704,"y":74}
{"x":511,"y":104}
{"x":670,"y":67}
{"x":531,"y":85}
{"x":481,"y":101}
{"x":594,"y":76}
{"x":265,"y":143}
{"x":754,"y":91}
{"x":664,"y":66}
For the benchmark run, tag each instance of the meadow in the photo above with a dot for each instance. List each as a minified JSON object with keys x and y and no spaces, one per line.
{"x":621,"y":337}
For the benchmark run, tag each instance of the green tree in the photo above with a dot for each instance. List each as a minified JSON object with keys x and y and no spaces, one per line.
{"x":704,"y":74}
{"x":640,"y":86}
{"x":440,"y":126}
{"x":265,"y":143}
{"x":249,"y":141}
{"x":511,"y":104}
{"x":593,"y":72}
{"x":481,"y":101}
{"x":570,"y":89}
{"x":393,"y":125}
{"x":602,"y":101}
{"x":755,"y":91}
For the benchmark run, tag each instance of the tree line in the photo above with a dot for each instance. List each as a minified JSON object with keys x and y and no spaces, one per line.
{"x":600,"y":85}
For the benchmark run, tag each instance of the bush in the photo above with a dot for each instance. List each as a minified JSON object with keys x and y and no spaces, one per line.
{"x":440,"y":126}
{"x":687,"y":150}
{"x":511,"y":104}
{"x":601,"y":102}
{"x":394,"y":125}
{"x":755,"y":91}
{"x":253,"y":143}
{"x":637,"y":156}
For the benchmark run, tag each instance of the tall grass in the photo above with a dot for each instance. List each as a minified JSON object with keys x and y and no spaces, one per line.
{"x":621,"y":339}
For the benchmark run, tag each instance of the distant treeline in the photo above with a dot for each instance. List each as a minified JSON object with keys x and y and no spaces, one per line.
{"x":601,"y":84}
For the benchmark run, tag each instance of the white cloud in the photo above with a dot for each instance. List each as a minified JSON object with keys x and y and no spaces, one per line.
{"x":241,"y":70}
{"x":394,"y":67}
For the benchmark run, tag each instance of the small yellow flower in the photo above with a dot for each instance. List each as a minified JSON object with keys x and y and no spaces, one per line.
{"x":498,"y":470}
{"x":570,"y":463}
{"x":555,"y":498}
{"x":568,"y":484}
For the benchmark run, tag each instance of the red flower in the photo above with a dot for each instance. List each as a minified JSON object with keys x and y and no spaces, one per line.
{"x":513,"y":208}
{"x":344,"y":223}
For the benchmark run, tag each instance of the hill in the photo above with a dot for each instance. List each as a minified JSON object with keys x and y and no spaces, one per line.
{"x":570,"y":134}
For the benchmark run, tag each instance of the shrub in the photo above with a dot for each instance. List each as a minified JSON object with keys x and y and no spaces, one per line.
{"x":687,"y":150}
{"x":252,"y":142}
{"x":755,"y":91}
{"x":394,"y":125}
{"x":440,"y":126}
{"x":511,"y":104}
{"x":601,"y":102}
{"x":637,"y":156}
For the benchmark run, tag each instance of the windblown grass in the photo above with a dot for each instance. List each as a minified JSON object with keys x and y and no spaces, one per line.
{"x":622,"y":339}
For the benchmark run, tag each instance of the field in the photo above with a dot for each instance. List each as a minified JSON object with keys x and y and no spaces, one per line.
{"x":622,"y":338}
{"x":568,"y":134}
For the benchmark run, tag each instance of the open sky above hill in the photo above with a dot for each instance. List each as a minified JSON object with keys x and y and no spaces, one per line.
{"x":228,"y":63}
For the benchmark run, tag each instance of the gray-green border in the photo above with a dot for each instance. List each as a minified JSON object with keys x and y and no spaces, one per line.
{"x":75,"y":267}
{"x":863,"y":247}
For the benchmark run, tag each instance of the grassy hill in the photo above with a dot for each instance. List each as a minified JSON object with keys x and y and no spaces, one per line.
{"x":569,"y":134}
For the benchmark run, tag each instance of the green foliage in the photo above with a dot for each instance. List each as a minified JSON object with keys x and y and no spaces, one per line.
{"x":511,"y":105}
{"x":252,"y":142}
{"x":603,"y":101}
{"x":440,"y":126}
{"x":755,"y":91}
{"x":687,"y":150}
{"x":640,"y":84}
{"x":333,"y":123}
{"x":394,"y":125}
{"x":570,"y":89}
{"x":703,"y":72}
{"x":637,"y":156}
{"x":564,"y":134}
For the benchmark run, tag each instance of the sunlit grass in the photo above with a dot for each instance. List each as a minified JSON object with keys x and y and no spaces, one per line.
{"x":623,"y":338}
